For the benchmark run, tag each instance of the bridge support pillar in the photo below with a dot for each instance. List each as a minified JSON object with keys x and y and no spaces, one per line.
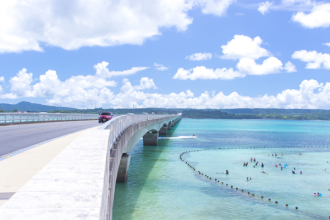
{"x":163,"y":130}
{"x":169,"y":127}
{"x":150,"y":139}
{"x":123,"y":168}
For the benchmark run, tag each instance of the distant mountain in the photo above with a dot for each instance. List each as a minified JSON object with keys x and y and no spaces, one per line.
{"x":32,"y":107}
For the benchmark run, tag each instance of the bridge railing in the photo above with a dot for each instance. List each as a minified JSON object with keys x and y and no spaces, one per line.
{"x":33,"y":117}
{"x":118,"y":125}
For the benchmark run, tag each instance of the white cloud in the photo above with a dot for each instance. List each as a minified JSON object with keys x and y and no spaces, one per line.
{"x":287,"y":5}
{"x":290,"y":67}
{"x":244,"y":47}
{"x":146,"y":83}
{"x":264,"y":7}
{"x":21,"y":84}
{"x":295,"y":5}
{"x":28,"y":25}
{"x":291,"y":2}
{"x":318,"y":17}
{"x":249,"y":66}
{"x":160,"y":67}
{"x":215,"y":7}
{"x":313,"y":59}
{"x":246,"y":50}
{"x":199,"y":56}
{"x":327,"y":44}
{"x":74,"y":24}
{"x":103,"y":71}
{"x":84,"y":93}
{"x":305,"y":97}
{"x":78,"y":91}
{"x":201,"y":72}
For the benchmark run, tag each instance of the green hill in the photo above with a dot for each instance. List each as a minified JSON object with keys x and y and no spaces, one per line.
{"x":32,"y":107}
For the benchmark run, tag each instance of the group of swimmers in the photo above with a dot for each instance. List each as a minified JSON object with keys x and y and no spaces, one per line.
{"x":276,"y":155}
{"x":294,"y":172}
{"x":317,"y":194}
{"x":254,"y":160}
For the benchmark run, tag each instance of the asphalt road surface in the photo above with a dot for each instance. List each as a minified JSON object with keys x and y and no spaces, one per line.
{"x":16,"y":137}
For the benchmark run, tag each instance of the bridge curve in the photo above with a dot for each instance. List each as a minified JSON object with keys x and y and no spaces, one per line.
{"x":80,"y":182}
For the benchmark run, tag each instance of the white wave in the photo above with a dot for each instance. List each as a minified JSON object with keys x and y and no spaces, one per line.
{"x":180,"y":137}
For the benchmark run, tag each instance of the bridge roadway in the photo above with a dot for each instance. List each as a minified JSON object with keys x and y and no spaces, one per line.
{"x":16,"y":137}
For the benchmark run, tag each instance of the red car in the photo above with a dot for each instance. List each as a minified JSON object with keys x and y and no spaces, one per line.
{"x":105,"y":116}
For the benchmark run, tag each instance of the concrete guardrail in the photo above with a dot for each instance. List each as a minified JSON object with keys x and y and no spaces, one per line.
{"x":20,"y":118}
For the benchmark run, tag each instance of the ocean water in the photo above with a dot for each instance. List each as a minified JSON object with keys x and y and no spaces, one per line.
{"x":161,"y":186}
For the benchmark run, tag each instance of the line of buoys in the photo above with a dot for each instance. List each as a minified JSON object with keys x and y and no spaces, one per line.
{"x":216,"y":180}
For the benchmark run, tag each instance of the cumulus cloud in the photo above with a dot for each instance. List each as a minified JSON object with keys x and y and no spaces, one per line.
{"x":313,"y":59}
{"x":290,"y":67}
{"x":21,"y":84}
{"x":77,"y":91}
{"x":318,"y":17}
{"x":84,"y":93}
{"x":247,"y":51}
{"x":268,"y":66}
{"x":199,"y":56}
{"x":311,"y":95}
{"x":264,"y":7}
{"x":244,"y":47}
{"x":215,"y":7}
{"x":146,"y":83}
{"x":160,"y":67}
{"x":73,"y":24}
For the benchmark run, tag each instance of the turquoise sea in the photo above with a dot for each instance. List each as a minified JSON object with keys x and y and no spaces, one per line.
{"x":161,"y":186}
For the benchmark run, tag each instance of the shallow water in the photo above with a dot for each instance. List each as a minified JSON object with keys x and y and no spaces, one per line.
{"x":161,"y":186}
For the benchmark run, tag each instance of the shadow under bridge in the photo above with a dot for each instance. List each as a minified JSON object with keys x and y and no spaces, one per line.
{"x":125,"y":132}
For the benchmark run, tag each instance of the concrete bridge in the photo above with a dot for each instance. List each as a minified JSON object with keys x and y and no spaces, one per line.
{"x":80,"y":182}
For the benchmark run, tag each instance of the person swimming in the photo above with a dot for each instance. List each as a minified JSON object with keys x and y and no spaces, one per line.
{"x":293,"y":172}
{"x":227,"y":172}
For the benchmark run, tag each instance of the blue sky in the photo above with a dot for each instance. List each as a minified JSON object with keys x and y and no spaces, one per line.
{"x":180,"y":53}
